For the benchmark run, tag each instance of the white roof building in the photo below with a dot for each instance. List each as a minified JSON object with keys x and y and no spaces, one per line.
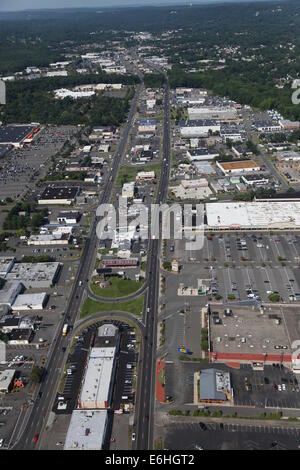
{"x":97,"y":384}
{"x":6,"y":378}
{"x":259,"y":215}
{"x":30,"y":301}
{"x":87,"y":430}
{"x":6,"y":265}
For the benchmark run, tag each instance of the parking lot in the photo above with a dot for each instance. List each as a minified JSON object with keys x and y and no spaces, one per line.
{"x":224,"y":436}
{"x":244,"y":267}
{"x":31,"y":162}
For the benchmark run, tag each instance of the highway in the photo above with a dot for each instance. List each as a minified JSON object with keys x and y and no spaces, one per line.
{"x":37,"y":417}
{"x":145,"y":395}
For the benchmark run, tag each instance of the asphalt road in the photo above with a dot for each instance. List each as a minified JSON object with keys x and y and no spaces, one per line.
{"x":146,"y":382}
{"x":37,"y":418}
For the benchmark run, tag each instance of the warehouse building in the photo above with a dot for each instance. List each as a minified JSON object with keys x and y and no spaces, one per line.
{"x":267,"y":126}
{"x":231,"y":133}
{"x":30,"y":301}
{"x":64,"y":195}
{"x":255,"y":180}
{"x":17,"y":135}
{"x":10,"y":292}
{"x":242,"y":166}
{"x":20,"y":336}
{"x":98,"y":382}
{"x":244,"y":335}
{"x":55,"y":238}
{"x":6,"y":264}
{"x":35,"y":275}
{"x":257,"y":215}
{"x":221,"y":114}
{"x":198,"y":128}
{"x":87,"y":430}
{"x":6,"y":380}
{"x":201,"y":154}
{"x":128,"y":189}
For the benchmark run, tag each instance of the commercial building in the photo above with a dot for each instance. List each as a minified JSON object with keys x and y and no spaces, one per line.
{"x":6,"y":264}
{"x":212,"y":386}
{"x":267,"y":126}
{"x":54,"y":238}
{"x":98,"y":382}
{"x":246,"y":335}
{"x":255,"y":180}
{"x":17,"y":135}
{"x":288,"y":155}
{"x":289,"y":125}
{"x":128,"y":189}
{"x":30,"y":301}
{"x":64,"y":195}
{"x":35,"y":275}
{"x":145,"y":176}
{"x":10,"y":292}
{"x":68,"y":217}
{"x":120,"y":263}
{"x":87,"y":430}
{"x":198,"y":128}
{"x":241,"y":166}
{"x":9,"y":322}
{"x":232,"y":133}
{"x":256,"y":215}
{"x":221,"y":114}
{"x":6,"y":380}
{"x":204,"y":167}
{"x":201,"y":154}
{"x":20,"y":336}
{"x":147,"y":125}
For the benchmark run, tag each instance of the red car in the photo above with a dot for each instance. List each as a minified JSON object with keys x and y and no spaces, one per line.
{"x":35,"y":439}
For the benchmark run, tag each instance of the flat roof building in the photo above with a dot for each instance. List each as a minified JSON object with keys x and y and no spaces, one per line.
{"x":87,"y":430}
{"x":201,"y":154}
{"x":6,"y":264}
{"x":98,"y":382}
{"x":6,"y":380}
{"x":35,"y":275}
{"x":10,"y":291}
{"x":30,"y":301}
{"x":238,"y":166}
{"x":59,"y":195}
{"x":212,"y":386}
{"x":256,"y":215}
{"x":16,"y":135}
{"x":198,"y":128}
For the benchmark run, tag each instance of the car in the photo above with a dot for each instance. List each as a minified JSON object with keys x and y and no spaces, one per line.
{"x":1,"y":443}
{"x":35,"y":438}
{"x":203,"y":426}
{"x":133,"y":437}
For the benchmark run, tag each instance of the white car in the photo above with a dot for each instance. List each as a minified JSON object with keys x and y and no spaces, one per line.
{"x":279,"y":388}
{"x":133,"y":436}
{"x":283,"y":387}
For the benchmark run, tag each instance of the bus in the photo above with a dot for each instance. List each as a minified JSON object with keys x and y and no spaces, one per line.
{"x":65,"y":329}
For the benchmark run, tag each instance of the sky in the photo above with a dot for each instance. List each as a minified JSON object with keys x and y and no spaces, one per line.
{"x":15,"y":5}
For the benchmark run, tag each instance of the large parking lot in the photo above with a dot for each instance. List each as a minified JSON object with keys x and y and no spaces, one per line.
{"x":30,"y":162}
{"x":224,"y":436}
{"x":245,"y":267}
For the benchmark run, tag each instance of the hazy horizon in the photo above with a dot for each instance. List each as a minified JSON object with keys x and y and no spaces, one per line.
{"x":19,"y":5}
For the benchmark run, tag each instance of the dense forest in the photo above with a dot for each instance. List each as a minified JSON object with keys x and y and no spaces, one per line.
{"x":33,"y":101}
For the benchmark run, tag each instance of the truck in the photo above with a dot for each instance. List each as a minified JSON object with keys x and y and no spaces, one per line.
{"x":65,"y":329}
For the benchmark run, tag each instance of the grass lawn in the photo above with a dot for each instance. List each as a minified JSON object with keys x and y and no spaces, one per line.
{"x":133,"y":306}
{"x":128,"y":173}
{"x":119,"y":287}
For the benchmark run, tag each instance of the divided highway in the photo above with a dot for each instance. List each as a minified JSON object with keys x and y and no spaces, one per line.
{"x":145,"y":396}
{"x":36,"y":419}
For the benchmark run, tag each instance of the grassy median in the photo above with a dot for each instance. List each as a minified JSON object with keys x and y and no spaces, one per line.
{"x":134,"y":306}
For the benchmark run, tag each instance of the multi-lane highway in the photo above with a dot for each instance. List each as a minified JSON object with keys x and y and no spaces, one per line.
{"x":145,"y":397}
{"x":37,"y":416}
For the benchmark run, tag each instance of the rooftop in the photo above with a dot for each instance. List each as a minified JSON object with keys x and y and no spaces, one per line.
{"x":87,"y":430}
